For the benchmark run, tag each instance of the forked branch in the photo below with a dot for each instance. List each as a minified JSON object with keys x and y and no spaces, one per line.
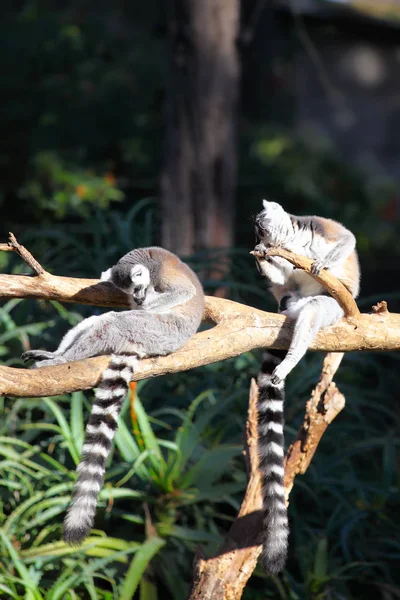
{"x":239,"y":328}
{"x":224,"y":576}
{"x":332,"y":285}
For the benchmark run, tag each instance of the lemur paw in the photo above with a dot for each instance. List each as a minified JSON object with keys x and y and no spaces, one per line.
{"x":36,"y":355}
{"x":317,"y":267}
{"x":279,"y":375}
{"x":261,"y":249}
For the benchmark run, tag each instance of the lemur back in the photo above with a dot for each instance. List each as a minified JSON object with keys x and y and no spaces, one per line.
{"x":302,"y":298}
{"x":167,"y":307}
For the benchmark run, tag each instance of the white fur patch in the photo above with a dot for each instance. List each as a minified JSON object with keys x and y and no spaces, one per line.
{"x":89,"y":486}
{"x":85,"y":467}
{"x":107,"y":394}
{"x":274,"y":448}
{"x":273,"y":405}
{"x":95,"y":449}
{"x":271,"y":426}
{"x":140,"y":275}
{"x":106,"y":275}
{"x":102,"y":428}
{"x":277,"y":469}
{"x":276,"y":488}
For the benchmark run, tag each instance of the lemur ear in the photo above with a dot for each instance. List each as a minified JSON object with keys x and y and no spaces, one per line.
{"x":106,"y":275}
{"x":141,"y":273}
{"x":265,"y":203}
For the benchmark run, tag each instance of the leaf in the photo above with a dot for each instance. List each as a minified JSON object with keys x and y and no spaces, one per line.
{"x":76,"y":419}
{"x":149,"y":439}
{"x":65,"y":429}
{"x":210,"y":467}
{"x":138,"y":566}
{"x":20,"y":567}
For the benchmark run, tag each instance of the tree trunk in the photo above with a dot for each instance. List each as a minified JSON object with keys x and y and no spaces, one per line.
{"x":199,"y":173}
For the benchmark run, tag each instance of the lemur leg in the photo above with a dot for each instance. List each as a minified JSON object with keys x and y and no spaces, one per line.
{"x":318,"y":312}
{"x":71,"y":335}
{"x":126,"y":332}
{"x":86,"y":340}
{"x":67,"y":341}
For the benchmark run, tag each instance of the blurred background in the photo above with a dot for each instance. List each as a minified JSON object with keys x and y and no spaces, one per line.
{"x":126,"y":124}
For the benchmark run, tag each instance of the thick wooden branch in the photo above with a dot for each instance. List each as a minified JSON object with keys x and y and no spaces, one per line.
{"x":224,"y":576}
{"x":238,"y":329}
{"x":332,"y":285}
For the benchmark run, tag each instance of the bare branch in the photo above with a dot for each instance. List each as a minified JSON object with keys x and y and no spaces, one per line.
{"x":316,"y":420}
{"x":239,"y":328}
{"x":332,"y":285}
{"x":15,"y":246}
{"x":224,"y":576}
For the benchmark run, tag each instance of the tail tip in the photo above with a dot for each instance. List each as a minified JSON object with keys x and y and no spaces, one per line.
{"x":75,"y":535}
{"x":273,"y":565}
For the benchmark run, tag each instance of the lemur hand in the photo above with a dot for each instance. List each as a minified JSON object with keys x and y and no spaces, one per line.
{"x":260,"y":249}
{"x":317,"y":266}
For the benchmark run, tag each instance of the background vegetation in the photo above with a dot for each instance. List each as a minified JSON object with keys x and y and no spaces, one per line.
{"x":82,"y":125}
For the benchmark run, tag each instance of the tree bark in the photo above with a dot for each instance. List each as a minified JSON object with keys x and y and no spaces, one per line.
{"x":225,"y":576}
{"x":199,"y":173}
{"x":238,"y":329}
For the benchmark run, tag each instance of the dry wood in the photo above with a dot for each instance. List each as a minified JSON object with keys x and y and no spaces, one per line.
{"x":224,"y":576}
{"x":238,"y":329}
{"x":14,"y":246}
{"x":335,"y":287}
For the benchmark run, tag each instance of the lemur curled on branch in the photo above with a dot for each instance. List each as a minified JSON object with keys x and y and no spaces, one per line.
{"x":167,"y":302}
{"x":304,"y":299}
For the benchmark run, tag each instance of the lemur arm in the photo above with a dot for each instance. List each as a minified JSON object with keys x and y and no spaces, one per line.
{"x":276,"y":269}
{"x":346,"y":243}
{"x":165,"y":300}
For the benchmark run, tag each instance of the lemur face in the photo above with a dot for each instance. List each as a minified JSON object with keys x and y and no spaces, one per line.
{"x":140,"y":277}
{"x":269,"y":217}
{"x":134,"y":281}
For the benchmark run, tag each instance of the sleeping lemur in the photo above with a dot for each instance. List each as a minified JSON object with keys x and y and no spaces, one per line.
{"x":304,"y":299}
{"x":167,"y":302}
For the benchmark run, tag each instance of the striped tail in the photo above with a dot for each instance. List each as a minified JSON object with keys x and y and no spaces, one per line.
{"x":271,"y":451}
{"x":100,"y":431}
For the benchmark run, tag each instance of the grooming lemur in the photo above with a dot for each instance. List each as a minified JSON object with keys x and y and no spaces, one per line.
{"x":167,"y":301}
{"x":302,"y":298}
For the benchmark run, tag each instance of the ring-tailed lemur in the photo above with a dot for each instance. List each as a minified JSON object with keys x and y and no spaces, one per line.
{"x":167,"y":301}
{"x":302,"y":298}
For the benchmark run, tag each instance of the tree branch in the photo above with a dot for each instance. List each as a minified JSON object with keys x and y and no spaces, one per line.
{"x":332,"y":285}
{"x":238,"y":329}
{"x":14,"y":246}
{"x":224,"y":576}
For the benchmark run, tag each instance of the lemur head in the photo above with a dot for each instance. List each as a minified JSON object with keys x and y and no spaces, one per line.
{"x":133,"y":279}
{"x":272,"y":221}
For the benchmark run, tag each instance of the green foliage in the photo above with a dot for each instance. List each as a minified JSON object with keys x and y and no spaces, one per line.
{"x":58,"y":189}
{"x":176,"y":478}
{"x":82,"y":105}
{"x":160,"y":471}
{"x":309,"y":176}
